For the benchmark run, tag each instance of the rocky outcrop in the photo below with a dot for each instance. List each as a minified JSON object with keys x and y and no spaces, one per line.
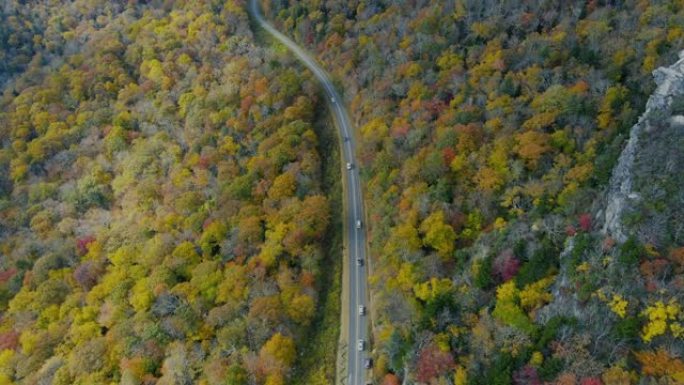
{"x":647,"y":184}
{"x":621,"y":192}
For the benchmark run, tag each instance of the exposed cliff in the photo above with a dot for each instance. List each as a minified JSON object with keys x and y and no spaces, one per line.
{"x":650,"y":167}
{"x":644,"y":207}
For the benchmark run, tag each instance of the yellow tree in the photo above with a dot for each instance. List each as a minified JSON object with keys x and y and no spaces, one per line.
{"x":283,"y":186}
{"x":531,"y":146}
{"x":437,"y":234}
{"x":277,"y":355}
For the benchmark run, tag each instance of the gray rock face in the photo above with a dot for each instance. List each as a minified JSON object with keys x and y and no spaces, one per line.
{"x":645,"y":196}
{"x":621,"y":194}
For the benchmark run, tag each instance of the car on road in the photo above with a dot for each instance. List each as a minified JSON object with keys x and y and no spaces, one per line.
{"x":332,"y":100}
{"x":358,"y":223}
{"x":349,"y":166}
{"x":362,"y":310}
{"x":368,"y":363}
{"x":359,"y":262}
{"x":361,"y":345}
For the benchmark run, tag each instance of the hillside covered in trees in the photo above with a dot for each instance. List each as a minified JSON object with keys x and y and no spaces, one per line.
{"x":489,"y":134}
{"x":162,"y":212}
{"x":165,"y":203}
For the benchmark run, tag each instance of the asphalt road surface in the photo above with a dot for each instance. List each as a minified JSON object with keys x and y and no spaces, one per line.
{"x":358,"y":324}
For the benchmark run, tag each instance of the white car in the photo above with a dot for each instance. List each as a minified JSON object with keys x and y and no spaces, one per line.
{"x":362,"y":310}
{"x":349,"y":166}
{"x":358,"y":223}
{"x":360,"y":345}
{"x":332,"y":100}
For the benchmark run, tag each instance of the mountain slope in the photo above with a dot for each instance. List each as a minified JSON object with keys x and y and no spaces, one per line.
{"x":489,"y":132}
{"x":162,"y":215}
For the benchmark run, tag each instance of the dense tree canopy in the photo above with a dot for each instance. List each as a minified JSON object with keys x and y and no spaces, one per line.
{"x":161,"y":207}
{"x":163,"y":218}
{"x":488,"y":131}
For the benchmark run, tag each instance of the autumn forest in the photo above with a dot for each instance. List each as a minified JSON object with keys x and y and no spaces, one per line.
{"x":171,"y":188}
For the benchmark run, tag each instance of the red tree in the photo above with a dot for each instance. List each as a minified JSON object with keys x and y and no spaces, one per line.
{"x":448,"y":154}
{"x":9,"y":340}
{"x":591,"y":381}
{"x":506,"y":265}
{"x":570,"y":231}
{"x":7,"y":274}
{"x":82,"y":244}
{"x":585,"y":222}
{"x":432,"y":363}
{"x":527,"y":375}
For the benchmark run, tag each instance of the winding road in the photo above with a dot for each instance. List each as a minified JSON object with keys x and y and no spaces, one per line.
{"x":357,"y":289}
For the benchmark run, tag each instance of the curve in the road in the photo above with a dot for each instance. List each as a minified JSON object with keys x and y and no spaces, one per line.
{"x":358,"y":324}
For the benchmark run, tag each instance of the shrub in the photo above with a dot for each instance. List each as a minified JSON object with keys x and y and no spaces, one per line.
{"x":630,"y":252}
{"x":550,"y":330}
{"x":483,"y":276}
{"x":550,"y":368}
{"x":543,"y":261}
